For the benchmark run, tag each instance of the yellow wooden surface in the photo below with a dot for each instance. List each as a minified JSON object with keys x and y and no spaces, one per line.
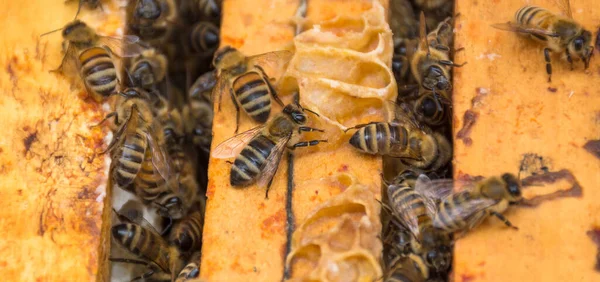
{"x":244,"y":234}
{"x":52,"y":186}
{"x":520,"y":112}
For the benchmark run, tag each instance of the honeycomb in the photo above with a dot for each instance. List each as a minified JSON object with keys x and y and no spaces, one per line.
{"x":342,"y":67}
{"x":338,"y":241}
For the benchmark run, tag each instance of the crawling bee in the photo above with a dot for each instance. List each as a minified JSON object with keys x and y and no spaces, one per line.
{"x":247,"y":83}
{"x":91,"y":56}
{"x":431,"y":66}
{"x":558,"y":33}
{"x":412,"y":209}
{"x":162,"y":259}
{"x":464,"y":210}
{"x":148,"y":69}
{"x":403,"y":138}
{"x":151,"y":19}
{"x":259,"y":150}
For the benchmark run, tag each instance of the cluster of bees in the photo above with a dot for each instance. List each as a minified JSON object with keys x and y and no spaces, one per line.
{"x":423,"y":210}
{"x":161,"y":124}
{"x":163,"y":101}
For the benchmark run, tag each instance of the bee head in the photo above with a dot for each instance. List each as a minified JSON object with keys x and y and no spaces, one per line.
{"x":437,"y":249}
{"x":148,"y":9}
{"x":183,"y":241}
{"x":295,"y":112}
{"x":513,"y":188}
{"x":428,"y":106}
{"x":77,"y":31}
{"x":436,"y":78}
{"x":580,"y":45}
{"x":227,"y":58}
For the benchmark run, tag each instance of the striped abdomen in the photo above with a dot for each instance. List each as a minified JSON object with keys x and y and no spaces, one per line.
{"x":534,"y":17}
{"x":190,"y":271}
{"x":448,"y":216}
{"x":130,"y":158}
{"x":380,"y":138}
{"x":149,"y":183}
{"x":187,"y":234}
{"x":98,"y":71}
{"x":142,"y":243}
{"x":253,"y":96}
{"x":404,"y":199}
{"x":250,"y":162}
{"x":409,"y":268}
{"x":204,"y":37}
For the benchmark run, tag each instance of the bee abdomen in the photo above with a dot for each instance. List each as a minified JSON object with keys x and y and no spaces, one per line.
{"x":187,"y":235}
{"x":401,"y":196}
{"x":141,"y":242}
{"x":253,"y":95}
{"x":448,"y":218}
{"x":378,"y":138}
{"x":250,"y":161}
{"x":204,"y":37}
{"x":98,"y":70}
{"x":532,"y":16}
{"x":130,"y":160}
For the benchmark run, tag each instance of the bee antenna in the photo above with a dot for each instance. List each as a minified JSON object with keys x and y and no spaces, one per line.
{"x":44,"y":34}
{"x":78,"y":9}
{"x":312,"y":112}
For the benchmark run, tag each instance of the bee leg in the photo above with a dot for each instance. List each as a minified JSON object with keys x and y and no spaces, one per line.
{"x":307,"y":144}
{"x":548,"y":65}
{"x":271,"y":180}
{"x":308,"y":129}
{"x":501,"y":217}
{"x":271,"y":88}
{"x":451,"y":63}
{"x":569,"y":59}
{"x":237,"y":110}
{"x":113,"y":114}
{"x":125,"y":260}
{"x":442,"y":47}
{"x":229,"y":162}
{"x":144,"y":276}
{"x":359,"y":126}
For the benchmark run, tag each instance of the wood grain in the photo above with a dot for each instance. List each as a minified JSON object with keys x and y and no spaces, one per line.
{"x":505,"y":85}
{"x":52,"y":184}
{"x":245,"y":235}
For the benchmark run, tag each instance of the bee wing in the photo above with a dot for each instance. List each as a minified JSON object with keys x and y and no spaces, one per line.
{"x":276,"y":60}
{"x":234,"y":145}
{"x":69,"y":65}
{"x":509,"y":26}
{"x":468,"y":211}
{"x":126,"y":46}
{"x":160,"y":159}
{"x":272,"y":163}
{"x":433,"y":191}
{"x":565,"y":7}
{"x":404,"y":213}
{"x":423,"y":44}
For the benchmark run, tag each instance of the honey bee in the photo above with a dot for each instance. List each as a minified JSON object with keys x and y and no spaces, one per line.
{"x":151,"y":19}
{"x":246,"y":81}
{"x":259,"y":150}
{"x":430,"y":109}
{"x":204,"y":38}
{"x":148,"y":69}
{"x":91,"y":56}
{"x":161,"y":258}
{"x":191,"y":270}
{"x":464,"y":210}
{"x":431,"y":66}
{"x":558,"y":33}
{"x":413,"y":207}
{"x":186,"y":234}
{"x":403,"y":138}
{"x":198,"y":113}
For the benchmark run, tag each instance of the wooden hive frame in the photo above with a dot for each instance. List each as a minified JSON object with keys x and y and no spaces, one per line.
{"x":52,"y":189}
